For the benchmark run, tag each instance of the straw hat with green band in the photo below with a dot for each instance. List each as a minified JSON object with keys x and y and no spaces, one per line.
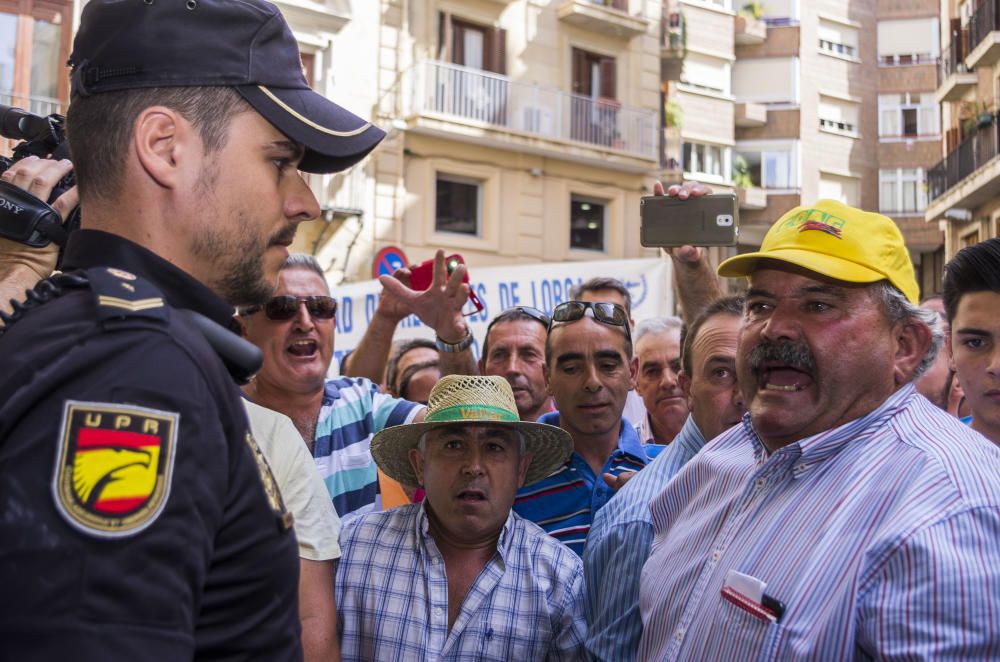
{"x":836,"y":241}
{"x":459,"y":400}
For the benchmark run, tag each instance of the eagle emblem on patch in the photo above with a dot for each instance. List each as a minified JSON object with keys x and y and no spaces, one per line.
{"x":115,"y":464}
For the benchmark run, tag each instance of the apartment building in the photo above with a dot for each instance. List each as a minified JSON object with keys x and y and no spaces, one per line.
{"x":964,"y":185}
{"x":519,"y":131}
{"x":35,"y":38}
{"x":787,"y":101}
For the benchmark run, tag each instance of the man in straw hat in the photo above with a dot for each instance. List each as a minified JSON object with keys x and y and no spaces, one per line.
{"x":460,"y":576}
{"x":847,"y":517}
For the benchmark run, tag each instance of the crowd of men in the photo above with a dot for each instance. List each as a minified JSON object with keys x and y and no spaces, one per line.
{"x":810,"y":469}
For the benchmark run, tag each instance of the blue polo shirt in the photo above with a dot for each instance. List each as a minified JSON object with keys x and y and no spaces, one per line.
{"x":565,"y":502}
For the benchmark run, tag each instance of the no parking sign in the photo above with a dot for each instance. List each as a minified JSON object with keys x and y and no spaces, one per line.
{"x":387,"y":261}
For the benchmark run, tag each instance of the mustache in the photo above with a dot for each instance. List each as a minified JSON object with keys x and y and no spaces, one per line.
{"x":283,"y":236}
{"x":795,"y":355}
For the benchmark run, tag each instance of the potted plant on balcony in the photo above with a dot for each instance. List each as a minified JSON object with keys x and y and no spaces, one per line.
{"x":973,"y":114}
{"x":753,"y":9}
{"x":672,"y":114}
{"x":741,"y":173}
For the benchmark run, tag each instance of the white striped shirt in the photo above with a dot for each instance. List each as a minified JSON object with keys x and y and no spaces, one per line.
{"x":881,"y":537}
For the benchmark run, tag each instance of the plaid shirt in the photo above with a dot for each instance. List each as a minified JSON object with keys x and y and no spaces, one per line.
{"x":392,"y":595}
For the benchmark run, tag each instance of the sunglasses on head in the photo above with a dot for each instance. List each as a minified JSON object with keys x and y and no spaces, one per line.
{"x":511,"y":313}
{"x":606,"y":313}
{"x":285,"y":307}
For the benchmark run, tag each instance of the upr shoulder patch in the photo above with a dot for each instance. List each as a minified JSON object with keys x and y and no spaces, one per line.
{"x":114,"y":466}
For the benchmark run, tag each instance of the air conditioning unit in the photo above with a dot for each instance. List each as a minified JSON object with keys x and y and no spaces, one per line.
{"x":537,"y":119}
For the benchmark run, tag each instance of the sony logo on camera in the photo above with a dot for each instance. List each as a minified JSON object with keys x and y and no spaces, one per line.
{"x":8,"y":205}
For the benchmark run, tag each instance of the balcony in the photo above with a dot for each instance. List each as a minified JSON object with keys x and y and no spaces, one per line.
{"x":751,"y":199}
{"x":954,"y":78}
{"x":673,"y":46}
{"x":37,"y":105}
{"x":750,"y":115}
{"x":970,"y":174}
{"x":608,"y":17}
{"x":984,"y":35}
{"x":750,"y":31}
{"x":487,"y":108}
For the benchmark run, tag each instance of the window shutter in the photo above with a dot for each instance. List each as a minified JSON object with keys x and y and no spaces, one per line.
{"x":581,"y":79}
{"x":444,"y":37}
{"x":608,"y":83}
{"x":620,"y":4}
{"x":496,"y":57}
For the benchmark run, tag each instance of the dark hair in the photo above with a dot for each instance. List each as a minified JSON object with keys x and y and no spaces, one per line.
{"x":409,"y":374}
{"x":100,"y":127}
{"x":515,"y":314}
{"x":401,"y":347}
{"x":731,"y":305}
{"x":603,"y":283}
{"x":973,"y":269}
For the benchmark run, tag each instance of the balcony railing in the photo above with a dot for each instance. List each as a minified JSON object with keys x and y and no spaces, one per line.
{"x":953,"y":58}
{"x":983,"y":22}
{"x":37,"y":105}
{"x":481,"y":96}
{"x":972,"y":153}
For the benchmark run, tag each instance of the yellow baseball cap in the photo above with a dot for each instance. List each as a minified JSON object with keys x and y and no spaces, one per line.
{"x":836,"y":241}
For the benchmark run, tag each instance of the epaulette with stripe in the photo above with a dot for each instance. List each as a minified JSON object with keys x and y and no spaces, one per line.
{"x":119,"y":293}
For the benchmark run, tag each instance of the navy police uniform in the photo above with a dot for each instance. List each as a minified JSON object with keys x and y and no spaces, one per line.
{"x":138,"y":520}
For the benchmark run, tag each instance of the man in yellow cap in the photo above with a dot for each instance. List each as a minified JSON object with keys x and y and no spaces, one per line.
{"x":847,"y":517}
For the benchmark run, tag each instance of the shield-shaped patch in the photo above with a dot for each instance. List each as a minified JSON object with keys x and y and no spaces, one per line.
{"x":115,"y":464}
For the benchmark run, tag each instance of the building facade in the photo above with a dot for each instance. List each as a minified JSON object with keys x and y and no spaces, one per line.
{"x":964,"y":185}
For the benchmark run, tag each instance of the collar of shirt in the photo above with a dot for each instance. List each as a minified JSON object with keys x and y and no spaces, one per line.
{"x":93,"y":248}
{"x":628,"y":439}
{"x":690,"y":438}
{"x":811,"y":451}
{"x":422,"y":524}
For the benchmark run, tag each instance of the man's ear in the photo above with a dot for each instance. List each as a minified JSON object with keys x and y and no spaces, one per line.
{"x":685,"y":383}
{"x":242,"y":321}
{"x":417,"y":462}
{"x":913,"y":339}
{"x":162,"y":139}
{"x":633,"y":368}
{"x":522,"y":472}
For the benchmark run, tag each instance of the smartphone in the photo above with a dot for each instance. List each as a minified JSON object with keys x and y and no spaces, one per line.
{"x":422,"y":275}
{"x":708,"y":220}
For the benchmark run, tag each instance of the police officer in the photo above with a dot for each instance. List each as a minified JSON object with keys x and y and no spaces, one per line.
{"x":138,"y":518}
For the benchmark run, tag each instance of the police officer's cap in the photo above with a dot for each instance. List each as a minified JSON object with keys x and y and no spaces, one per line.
{"x":244,"y":44}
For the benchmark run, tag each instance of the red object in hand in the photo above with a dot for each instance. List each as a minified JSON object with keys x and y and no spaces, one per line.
{"x":422,"y":275}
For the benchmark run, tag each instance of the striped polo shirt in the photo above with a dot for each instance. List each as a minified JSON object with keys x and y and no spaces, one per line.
{"x":353,"y":410}
{"x":881,"y":537}
{"x":564,"y":503}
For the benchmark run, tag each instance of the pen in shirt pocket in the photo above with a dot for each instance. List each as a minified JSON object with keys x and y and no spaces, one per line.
{"x":747,"y":593}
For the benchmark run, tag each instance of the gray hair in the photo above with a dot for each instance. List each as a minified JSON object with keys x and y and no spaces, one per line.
{"x":897,"y":308}
{"x":522,"y":445}
{"x":657,"y":326}
{"x":307,"y":262}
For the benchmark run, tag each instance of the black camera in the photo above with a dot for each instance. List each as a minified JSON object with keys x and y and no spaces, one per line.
{"x":23,"y":217}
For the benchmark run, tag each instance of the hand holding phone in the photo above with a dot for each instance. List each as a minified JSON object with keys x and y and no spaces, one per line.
{"x":422,"y":276}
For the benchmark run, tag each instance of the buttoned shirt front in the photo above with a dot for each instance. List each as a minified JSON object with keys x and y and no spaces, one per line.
{"x":881,"y":537}
{"x":392,"y":595}
{"x":617,"y":546}
{"x":564,"y":503}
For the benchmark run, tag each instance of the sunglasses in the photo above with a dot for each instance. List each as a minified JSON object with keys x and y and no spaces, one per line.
{"x":512,"y":312}
{"x":606,"y":313}
{"x":283,"y":308}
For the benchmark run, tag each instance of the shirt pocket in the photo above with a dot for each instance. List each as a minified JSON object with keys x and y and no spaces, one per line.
{"x":746,"y":634}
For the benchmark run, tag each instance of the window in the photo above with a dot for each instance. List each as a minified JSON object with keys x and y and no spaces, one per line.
{"x":838,"y":39}
{"x":911,"y":41}
{"x":707,"y":73}
{"x":766,"y":80}
{"x":909,"y":115}
{"x":593,"y":74}
{"x":586,"y":223}
{"x":838,"y":115}
{"x":843,"y":188}
{"x":471,"y":45}
{"x":772,"y":165}
{"x":34,"y":44}
{"x":459,"y":205}
{"x":901,"y":191}
{"x":704,"y":159}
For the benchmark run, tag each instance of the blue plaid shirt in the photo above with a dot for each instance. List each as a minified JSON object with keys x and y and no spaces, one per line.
{"x":881,"y":537}
{"x":392,"y":595}
{"x":564,"y":503}
{"x":617,"y":546}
